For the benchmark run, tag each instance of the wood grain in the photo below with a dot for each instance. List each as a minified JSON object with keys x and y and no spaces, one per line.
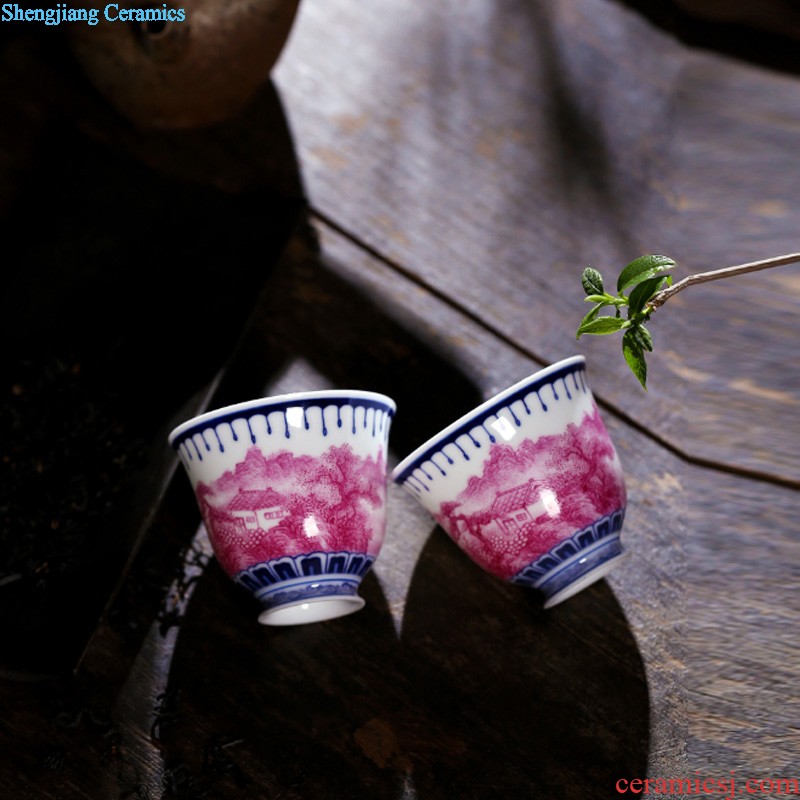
{"x":494,"y":149}
{"x":448,"y":680}
{"x":464,"y":161}
{"x":743,"y":627}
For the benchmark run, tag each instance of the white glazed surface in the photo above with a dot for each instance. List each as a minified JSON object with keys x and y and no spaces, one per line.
{"x":292,"y":490}
{"x":223,"y":445}
{"x":501,"y":425}
{"x":526,"y":472}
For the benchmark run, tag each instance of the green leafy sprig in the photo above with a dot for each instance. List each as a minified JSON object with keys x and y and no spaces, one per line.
{"x":643,"y":278}
{"x":649,"y":284}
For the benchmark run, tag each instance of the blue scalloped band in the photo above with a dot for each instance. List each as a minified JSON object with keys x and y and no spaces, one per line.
{"x":570,"y":560}
{"x":294,"y":579}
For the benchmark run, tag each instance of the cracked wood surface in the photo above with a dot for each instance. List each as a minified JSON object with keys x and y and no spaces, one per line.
{"x":462,"y":163}
{"x":494,"y":149}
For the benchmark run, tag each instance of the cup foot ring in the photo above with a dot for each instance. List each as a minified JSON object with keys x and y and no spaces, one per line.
{"x":317,"y":609}
{"x":575,"y":570}
{"x":587,"y":579}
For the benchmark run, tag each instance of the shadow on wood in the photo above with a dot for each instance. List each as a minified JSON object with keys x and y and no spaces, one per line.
{"x":480,"y":694}
{"x":511,"y":700}
{"x":127,"y":290}
{"x":763,"y":33}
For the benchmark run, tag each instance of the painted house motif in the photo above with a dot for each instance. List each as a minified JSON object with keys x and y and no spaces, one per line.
{"x":257,"y":509}
{"x":515,"y":508}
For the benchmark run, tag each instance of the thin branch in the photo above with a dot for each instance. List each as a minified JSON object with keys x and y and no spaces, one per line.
{"x":702,"y":277}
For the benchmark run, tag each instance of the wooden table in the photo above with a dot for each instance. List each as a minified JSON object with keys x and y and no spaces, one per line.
{"x":462,"y":163}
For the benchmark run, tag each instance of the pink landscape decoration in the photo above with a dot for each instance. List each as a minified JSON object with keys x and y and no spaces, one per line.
{"x":285,"y":504}
{"x":560,"y":484}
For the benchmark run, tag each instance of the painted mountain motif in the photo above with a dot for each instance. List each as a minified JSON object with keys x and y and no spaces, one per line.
{"x":285,"y":504}
{"x":559,"y":484}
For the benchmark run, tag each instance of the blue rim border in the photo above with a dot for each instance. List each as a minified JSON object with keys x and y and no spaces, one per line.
{"x":478,"y":416}
{"x":325,"y":399}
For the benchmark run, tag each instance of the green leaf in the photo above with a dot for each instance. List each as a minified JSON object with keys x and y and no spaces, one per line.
{"x":643,"y":292}
{"x":602,"y":326}
{"x":643,"y":335}
{"x":591,"y":315}
{"x":592,"y":281}
{"x":588,"y":318}
{"x":598,"y":298}
{"x":641,"y":269}
{"x":634,"y":356}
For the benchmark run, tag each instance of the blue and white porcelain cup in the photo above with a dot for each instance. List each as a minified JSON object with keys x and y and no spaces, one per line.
{"x":292,"y":490}
{"x":528,"y":484}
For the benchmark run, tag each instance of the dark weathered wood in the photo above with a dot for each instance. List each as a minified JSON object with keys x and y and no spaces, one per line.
{"x":710,"y":586}
{"x":470,"y":159}
{"x":743,"y":627}
{"x":762,"y":33}
{"x":449,"y":682}
{"x":133,"y":262}
{"x":448,"y":678}
{"x":778,"y":16}
{"x":494,"y":149}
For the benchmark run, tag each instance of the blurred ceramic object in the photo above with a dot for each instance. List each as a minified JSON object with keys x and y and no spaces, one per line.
{"x":528,"y":484}
{"x":292,"y":490}
{"x":184,"y":74}
{"x":775,"y":16}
